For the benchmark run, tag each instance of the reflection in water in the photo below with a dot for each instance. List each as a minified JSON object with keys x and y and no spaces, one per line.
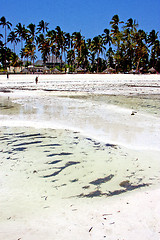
{"x":105,"y":118}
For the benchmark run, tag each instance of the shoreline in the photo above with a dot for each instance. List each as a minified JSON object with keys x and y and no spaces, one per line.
{"x":36,"y":215}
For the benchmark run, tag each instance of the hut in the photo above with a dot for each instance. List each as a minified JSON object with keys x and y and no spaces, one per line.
{"x":55,"y":70}
{"x":25,"y":70}
{"x":80,"y":70}
{"x":46,"y":70}
{"x":109,"y":70}
{"x":152,"y":70}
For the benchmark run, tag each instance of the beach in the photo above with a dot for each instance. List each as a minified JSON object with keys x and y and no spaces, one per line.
{"x":80,"y":156}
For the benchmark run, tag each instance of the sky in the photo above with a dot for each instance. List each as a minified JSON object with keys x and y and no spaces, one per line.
{"x":90,"y":17}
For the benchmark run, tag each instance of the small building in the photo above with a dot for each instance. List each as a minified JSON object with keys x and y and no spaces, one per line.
{"x":152,"y":70}
{"x":12,"y":69}
{"x":51,"y":62}
{"x":109,"y":70}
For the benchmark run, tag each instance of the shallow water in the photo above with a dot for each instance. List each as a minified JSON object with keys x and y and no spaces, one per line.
{"x":108,"y":119}
{"x":67,"y":146}
{"x":73,"y":165}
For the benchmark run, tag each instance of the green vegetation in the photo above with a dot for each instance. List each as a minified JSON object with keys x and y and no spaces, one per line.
{"x":123,"y":48}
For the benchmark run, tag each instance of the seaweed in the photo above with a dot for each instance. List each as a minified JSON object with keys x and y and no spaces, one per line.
{"x":102,"y":180}
{"x":68,"y":164}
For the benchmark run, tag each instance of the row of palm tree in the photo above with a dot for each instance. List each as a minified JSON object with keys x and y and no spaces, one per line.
{"x":123,"y":47}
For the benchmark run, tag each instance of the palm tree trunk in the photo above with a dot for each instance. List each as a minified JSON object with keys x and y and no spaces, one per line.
{"x":138,"y":64}
{"x":5,"y":49}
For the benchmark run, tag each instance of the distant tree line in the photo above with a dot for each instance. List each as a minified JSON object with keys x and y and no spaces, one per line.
{"x":123,"y":47}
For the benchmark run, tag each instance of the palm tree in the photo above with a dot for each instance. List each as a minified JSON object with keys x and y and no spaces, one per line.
{"x":12,"y":37}
{"x":152,"y":37}
{"x":21,"y":33}
{"x":71,"y":58}
{"x":97,"y":46}
{"x":116,"y":36}
{"x":141,"y":50}
{"x":153,"y":42}
{"x":42,"y":27}
{"x":51,"y":35}
{"x":77,"y":42}
{"x":6,"y":25}
{"x":60,"y":40}
{"x":29,"y":51}
{"x":43,"y":47}
{"x":129,"y":32}
{"x":1,"y":43}
{"x":31,"y":40}
{"x":107,"y":38}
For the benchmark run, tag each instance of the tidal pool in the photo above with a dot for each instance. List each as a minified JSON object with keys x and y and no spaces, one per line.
{"x":80,"y":146}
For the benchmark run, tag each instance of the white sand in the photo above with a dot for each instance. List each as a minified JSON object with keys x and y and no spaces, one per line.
{"x":97,"y":83}
{"x":27,"y":216}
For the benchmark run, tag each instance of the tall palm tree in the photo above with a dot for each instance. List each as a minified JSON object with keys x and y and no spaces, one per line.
{"x":6,"y":25}
{"x":51,"y":35}
{"x":43,"y":47}
{"x":97,"y":46}
{"x":42,"y":27}
{"x":60,"y":40}
{"x":116,"y":36}
{"x":77,"y":42}
{"x":29,"y":51}
{"x":1,"y":43}
{"x":141,"y":50}
{"x":152,"y":37}
{"x":12,"y":37}
{"x":21,"y":33}
{"x":107,"y":38}
{"x":153,"y":42}
{"x":31,"y":40}
{"x":84,"y":54}
{"x":129,"y":33}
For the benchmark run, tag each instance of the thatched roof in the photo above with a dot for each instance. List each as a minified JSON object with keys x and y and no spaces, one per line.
{"x":152,"y":70}
{"x":25,"y":70}
{"x":109,"y":70}
{"x":79,"y":69}
{"x":45,"y":68}
{"x":55,"y":70}
{"x":53,"y":59}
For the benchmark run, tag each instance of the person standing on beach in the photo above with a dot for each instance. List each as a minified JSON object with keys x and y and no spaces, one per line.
{"x":36,"y":80}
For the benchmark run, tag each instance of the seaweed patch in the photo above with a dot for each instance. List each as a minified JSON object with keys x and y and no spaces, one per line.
{"x":54,"y":162}
{"x":27,"y":143}
{"x":20,"y":149}
{"x":102,"y":180}
{"x":59,"y":154}
{"x":68,"y":164}
{"x":74,"y":180}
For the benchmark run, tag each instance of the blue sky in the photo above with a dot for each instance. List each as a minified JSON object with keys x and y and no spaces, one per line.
{"x":90,"y":17}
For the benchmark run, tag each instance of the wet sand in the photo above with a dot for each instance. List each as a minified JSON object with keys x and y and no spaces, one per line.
{"x":101,"y":205}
